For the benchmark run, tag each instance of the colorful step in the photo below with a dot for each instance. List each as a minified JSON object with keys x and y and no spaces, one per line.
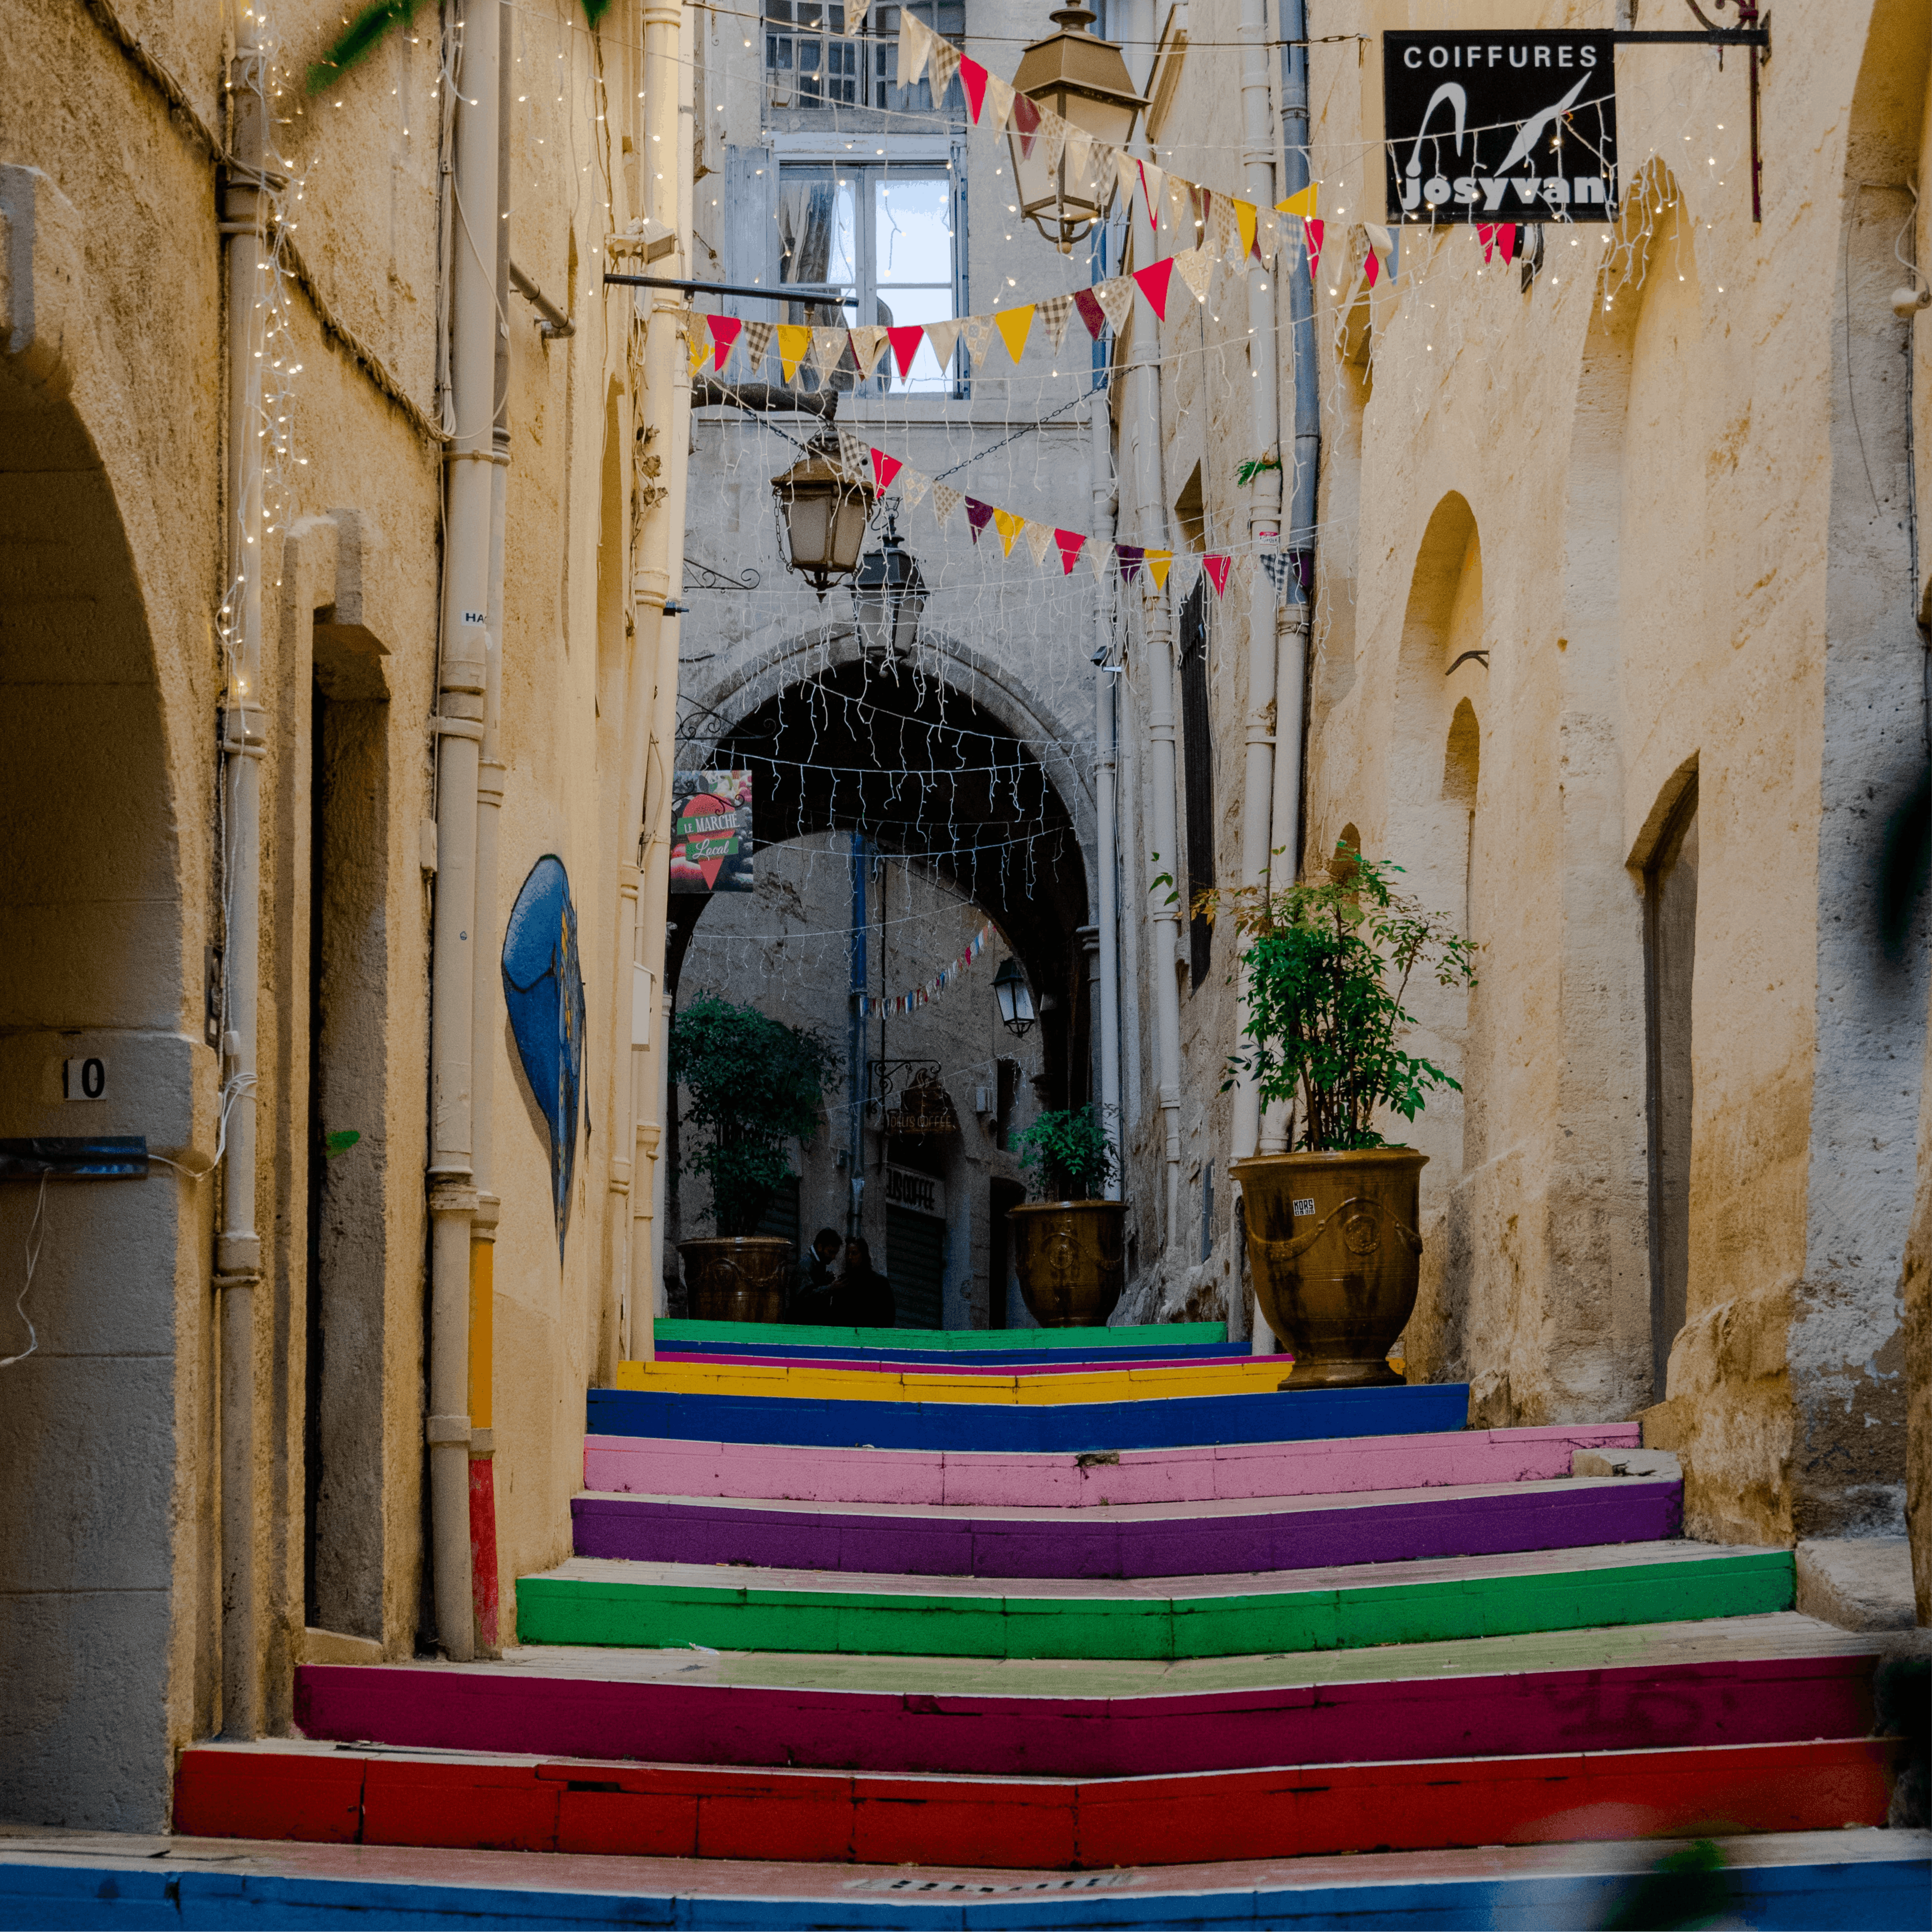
{"x":1781,"y":1882}
{"x":595,"y":1600}
{"x":977,"y":1480}
{"x":1134,"y":1539}
{"x":530,"y":1804}
{"x":1160,"y":1337}
{"x":1070,"y":1428}
{"x":1744,"y":1681}
{"x":639,"y":1375}
{"x":887,"y":1381}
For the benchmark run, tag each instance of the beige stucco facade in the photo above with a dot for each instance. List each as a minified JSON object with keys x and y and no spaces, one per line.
{"x":135,"y":1593}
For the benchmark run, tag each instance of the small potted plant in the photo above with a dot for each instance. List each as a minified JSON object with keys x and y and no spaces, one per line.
{"x":1067,"y":1247}
{"x":753,"y":1084}
{"x":1331,"y":1226}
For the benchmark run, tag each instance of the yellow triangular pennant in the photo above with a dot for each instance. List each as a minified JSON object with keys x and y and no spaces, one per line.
{"x":1302,"y":204}
{"x":700,"y":343}
{"x":1008,"y":525}
{"x":1245,"y":215}
{"x":1015,"y":324}
{"x":794,"y":341}
{"x":1158,"y":562}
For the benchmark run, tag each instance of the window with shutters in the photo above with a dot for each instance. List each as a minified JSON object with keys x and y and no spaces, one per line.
{"x":1197,"y":751}
{"x":811,"y":61}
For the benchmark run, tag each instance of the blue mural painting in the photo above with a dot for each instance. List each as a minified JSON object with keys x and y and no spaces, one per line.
{"x":543,"y":987}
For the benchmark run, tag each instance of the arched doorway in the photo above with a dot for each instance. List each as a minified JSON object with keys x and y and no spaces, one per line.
{"x":912,"y":793}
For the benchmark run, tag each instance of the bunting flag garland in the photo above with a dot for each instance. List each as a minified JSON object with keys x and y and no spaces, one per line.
{"x":1215,"y":565}
{"x":905,"y":341}
{"x":1008,"y":525}
{"x":1099,"y":557}
{"x":1001,"y":94}
{"x":1087,"y":305}
{"x":1151,"y":179}
{"x":943,"y":336}
{"x":1197,"y":269}
{"x":1311,"y":231}
{"x":757,"y":339}
{"x":916,"y":43}
{"x":867,"y":346}
{"x":945,"y":500}
{"x":1039,"y":540}
{"x":1116,"y":298}
{"x":1244,"y":572}
{"x":855,"y":456}
{"x":794,"y":340}
{"x":698,"y":341}
{"x":1154,"y":280}
{"x":973,"y":77}
{"x":1158,"y":562}
{"x":725,"y":330}
{"x":828,"y":349}
{"x":1129,"y":556}
{"x":913,"y":484}
{"x":942,"y":63}
{"x":1498,"y":238}
{"x":884,"y":469}
{"x":978,"y":515}
{"x":1225,"y":230}
{"x":1025,"y":116}
{"x":1070,"y":545}
{"x":978,"y":331}
{"x":1054,"y":314}
{"x":1015,"y":325}
{"x":1247,"y":218}
{"x":1303,"y":205}
{"x":924,"y":995}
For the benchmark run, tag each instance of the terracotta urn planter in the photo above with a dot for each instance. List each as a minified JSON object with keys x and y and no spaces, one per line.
{"x":739,"y":1279}
{"x":1333,"y":1249}
{"x":1071,"y":1260}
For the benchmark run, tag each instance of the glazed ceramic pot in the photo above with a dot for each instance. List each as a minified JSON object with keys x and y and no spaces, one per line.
{"x":1335,"y":1255}
{"x":1071,"y":1260}
{"x":739,"y":1279}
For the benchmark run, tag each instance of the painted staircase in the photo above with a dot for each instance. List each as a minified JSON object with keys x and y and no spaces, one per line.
{"x":1089,"y":1601}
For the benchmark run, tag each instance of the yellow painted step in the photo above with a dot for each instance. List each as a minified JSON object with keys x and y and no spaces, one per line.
{"x":1259,"y":1376}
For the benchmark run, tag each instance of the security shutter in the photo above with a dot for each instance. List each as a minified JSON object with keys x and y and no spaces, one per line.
{"x":916,"y":1267}
{"x":1197,"y":749}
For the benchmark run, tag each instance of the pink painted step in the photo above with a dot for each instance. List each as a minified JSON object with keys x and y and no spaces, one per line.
{"x":653,"y":1465}
{"x":933,"y":1364}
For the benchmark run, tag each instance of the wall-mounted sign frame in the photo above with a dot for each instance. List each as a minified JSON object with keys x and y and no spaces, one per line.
{"x":711,"y":832}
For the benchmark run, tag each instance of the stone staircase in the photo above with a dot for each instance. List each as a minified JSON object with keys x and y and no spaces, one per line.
{"x":1109,"y":1601}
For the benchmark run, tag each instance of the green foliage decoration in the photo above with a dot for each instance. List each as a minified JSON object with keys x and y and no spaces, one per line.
{"x":365,"y":32}
{"x":1328,"y":966}
{"x":752,"y":1083}
{"x":1254,"y":467}
{"x":1069,"y":1154}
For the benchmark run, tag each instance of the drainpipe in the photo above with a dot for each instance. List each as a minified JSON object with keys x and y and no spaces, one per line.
{"x":660,"y":575}
{"x":1264,"y":533}
{"x":1106,"y":799}
{"x":1157,"y":629}
{"x":1294,"y":615}
{"x":488,"y":1006}
{"x":244,"y":731}
{"x":459,"y":722}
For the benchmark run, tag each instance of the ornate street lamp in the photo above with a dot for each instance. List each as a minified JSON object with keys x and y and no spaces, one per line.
{"x":824,"y":511}
{"x":1085,"y":82}
{"x":888,"y":595}
{"x":1014,"y":996}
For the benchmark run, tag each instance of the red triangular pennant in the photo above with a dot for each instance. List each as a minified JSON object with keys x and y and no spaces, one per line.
{"x":1371,"y":268}
{"x":1071,"y":545}
{"x":885,"y":468}
{"x":1498,"y":238}
{"x":1091,"y":312}
{"x":972,"y":79}
{"x":724,"y":332}
{"x":905,"y":343}
{"x":1216,"y":565}
{"x":1311,"y":230}
{"x":1025,"y":121}
{"x":1153,"y":279}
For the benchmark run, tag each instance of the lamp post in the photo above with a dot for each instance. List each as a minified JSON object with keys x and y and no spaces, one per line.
{"x":824,"y":511}
{"x":888,"y":595}
{"x":1015,"y":998}
{"x":1085,"y":81}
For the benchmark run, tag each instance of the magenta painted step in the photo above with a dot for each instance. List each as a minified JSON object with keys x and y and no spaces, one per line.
{"x":934,"y":1363}
{"x":1211,"y":1539}
{"x":1338,"y":1465}
{"x":1622,"y":1708}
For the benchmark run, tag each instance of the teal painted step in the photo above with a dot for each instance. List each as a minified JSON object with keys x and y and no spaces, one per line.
{"x":1165,"y":1336}
{"x":597,"y":1600}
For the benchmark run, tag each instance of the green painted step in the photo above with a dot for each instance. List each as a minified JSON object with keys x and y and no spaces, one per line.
{"x":1098,"y":1342}
{"x":597,"y":1600}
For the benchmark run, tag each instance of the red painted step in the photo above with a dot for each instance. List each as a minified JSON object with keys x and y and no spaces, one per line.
{"x":529,"y":1804}
{"x":1738,"y":1699}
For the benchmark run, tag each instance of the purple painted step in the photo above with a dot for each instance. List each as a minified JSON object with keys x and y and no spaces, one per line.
{"x":1149,"y":1539}
{"x":1738,"y":1701}
{"x":1333,"y":1465}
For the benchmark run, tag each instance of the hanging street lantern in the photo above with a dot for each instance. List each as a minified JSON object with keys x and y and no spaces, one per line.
{"x":1014,"y":996}
{"x":1085,"y":81}
{"x":824,"y":511}
{"x":888,"y":595}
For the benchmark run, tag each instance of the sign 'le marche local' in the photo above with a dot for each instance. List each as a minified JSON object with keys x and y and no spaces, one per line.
{"x":1500,"y":126}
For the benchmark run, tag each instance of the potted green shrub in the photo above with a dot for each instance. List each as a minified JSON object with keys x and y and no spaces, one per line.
{"x":752,"y":1085}
{"x":1067,"y":1247}
{"x":1331,"y":1226}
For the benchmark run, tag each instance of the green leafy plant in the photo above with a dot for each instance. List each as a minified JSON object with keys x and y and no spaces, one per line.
{"x":1069,"y":1154}
{"x":1254,"y":467}
{"x":753,"y":1084}
{"x":1328,"y":965}
{"x":365,"y":32}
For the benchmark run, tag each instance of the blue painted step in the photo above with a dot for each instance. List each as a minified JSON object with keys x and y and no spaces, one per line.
{"x":1077,"y":1428}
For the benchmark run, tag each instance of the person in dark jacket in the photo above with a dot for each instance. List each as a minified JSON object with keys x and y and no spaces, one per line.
{"x":862,"y":1298}
{"x":812,"y":1289}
